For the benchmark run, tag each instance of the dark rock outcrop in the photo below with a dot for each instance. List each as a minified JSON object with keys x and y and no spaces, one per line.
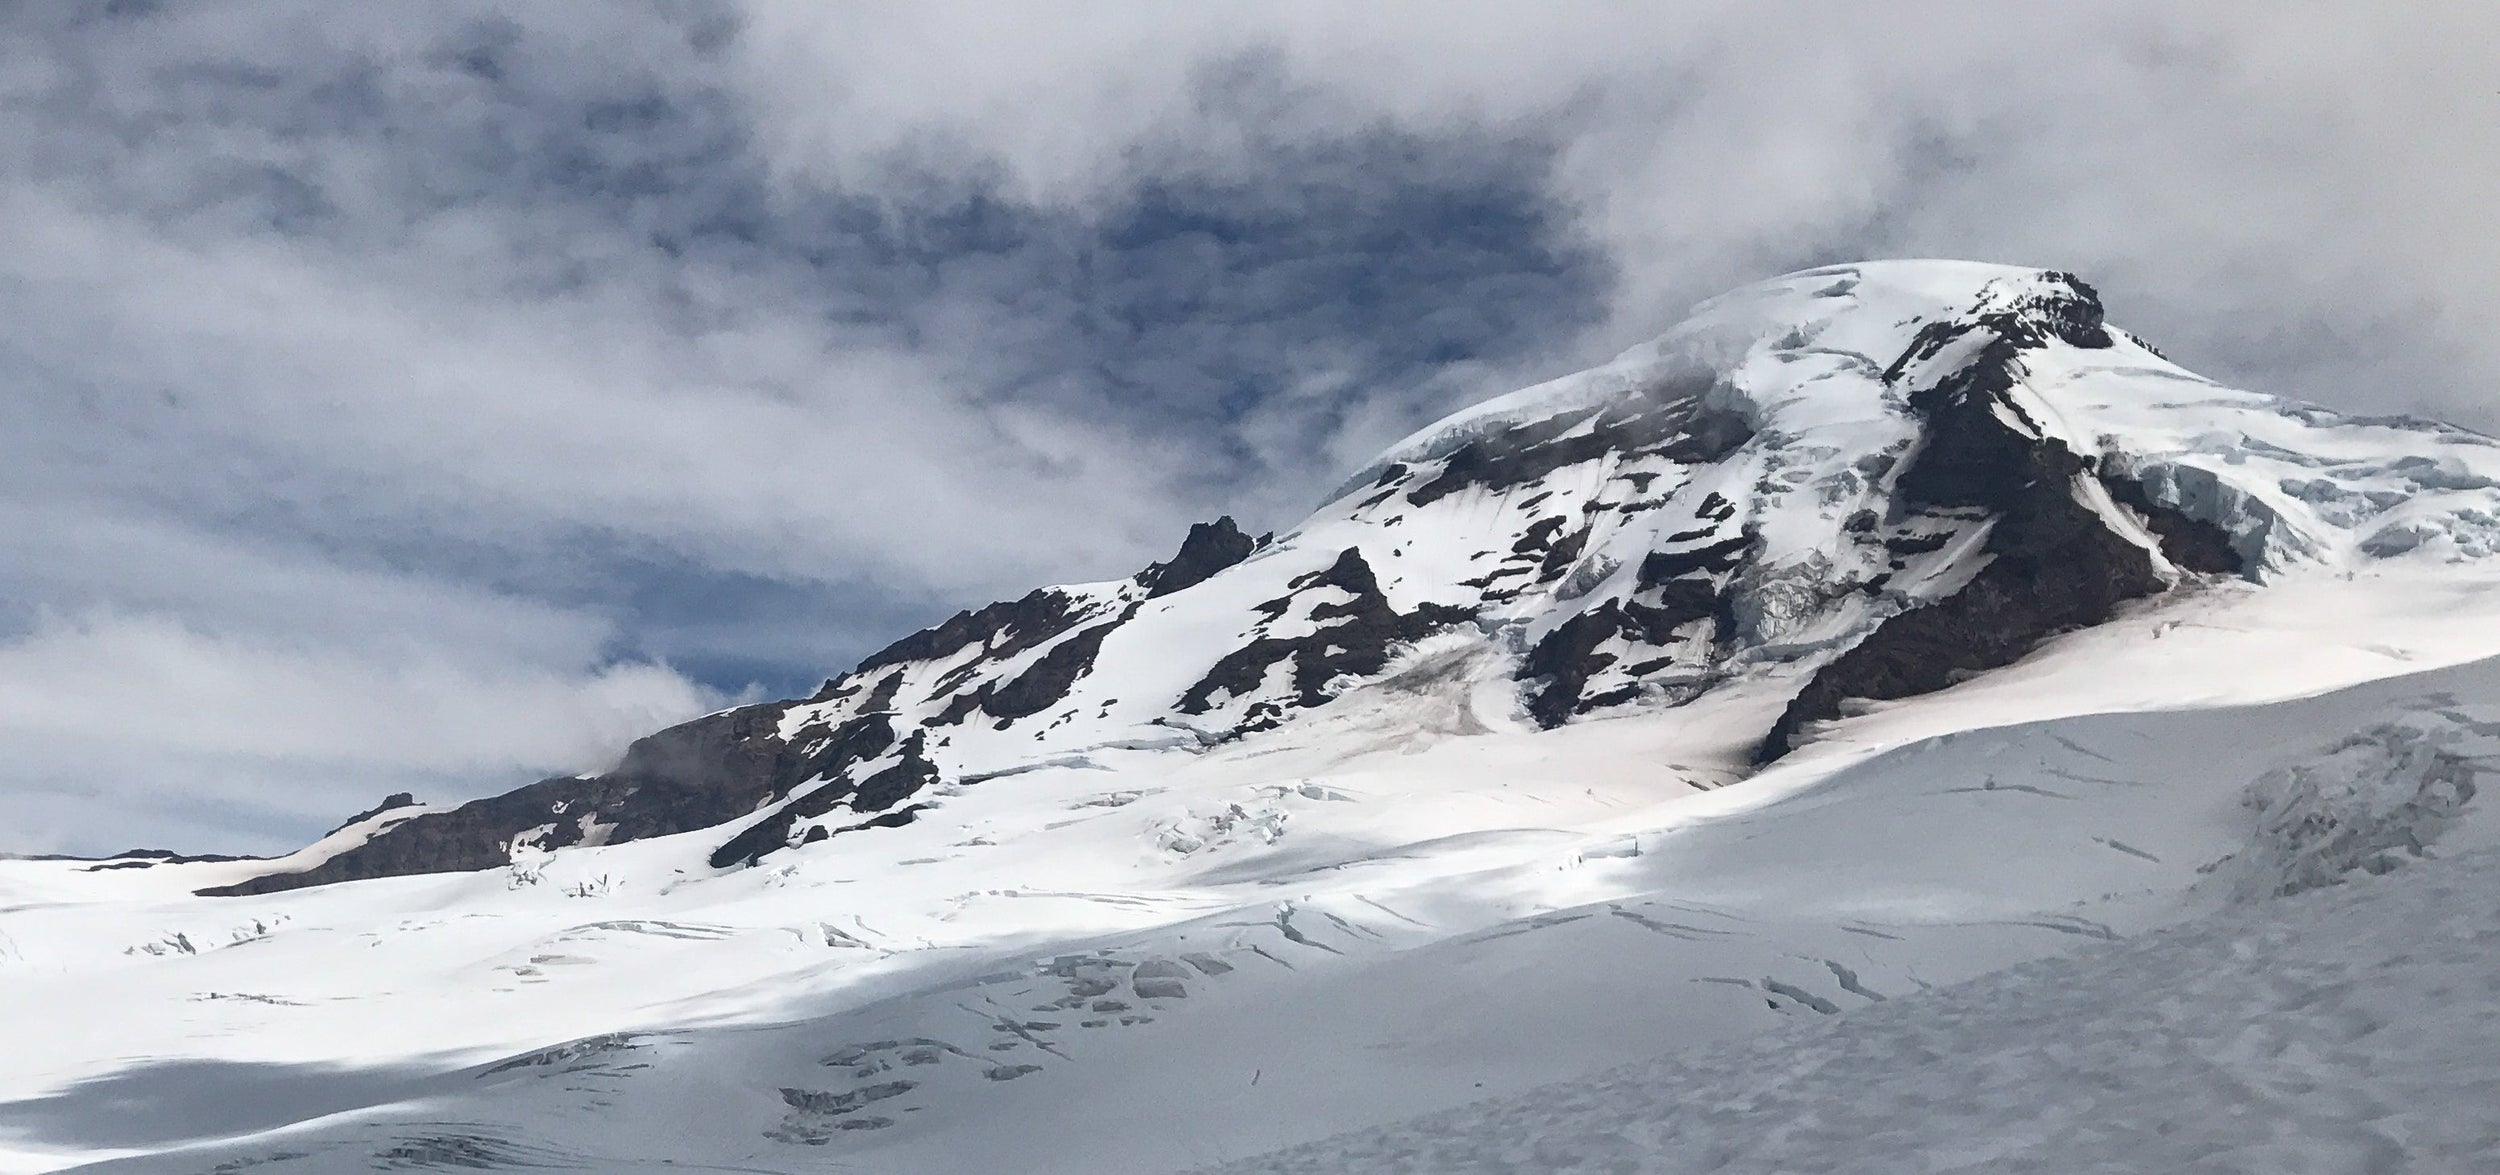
{"x":2053,"y":565}
{"x":862,"y":739}
{"x":693,"y":775}
{"x":1049,"y":679}
{"x":1563,"y":662}
{"x":1673,"y":420}
{"x":391,"y":802}
{"x":1673,"y":591}
{"x":2191,"y":544}
{"x":1358,"y":644}
{"x":1670,"y":420}
{"x":130,"y":858}
{"x":1005,"y":629}
{"x":1211,"y":547}
{"x":722,"y":767}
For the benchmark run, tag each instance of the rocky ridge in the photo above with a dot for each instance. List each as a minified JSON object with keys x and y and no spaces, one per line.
{"x":1862,"y":482}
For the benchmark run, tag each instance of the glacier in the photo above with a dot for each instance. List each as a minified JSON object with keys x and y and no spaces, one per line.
{"x":1877,"y":629}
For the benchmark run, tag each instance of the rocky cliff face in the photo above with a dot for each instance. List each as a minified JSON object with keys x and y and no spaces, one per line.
{"x":721,"y":767}
{"x":1862,"y":482}
{"x":2058,"y":553}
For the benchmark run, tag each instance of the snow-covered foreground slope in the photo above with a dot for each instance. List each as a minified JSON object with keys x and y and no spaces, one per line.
{"x":2349,"y":1030}
{"x":1693,"y":696}
{"x":1402,"y":924}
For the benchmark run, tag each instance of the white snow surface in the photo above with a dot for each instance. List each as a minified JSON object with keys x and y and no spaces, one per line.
{"x":2356,"y":1030}
{"x":1108,"y":946}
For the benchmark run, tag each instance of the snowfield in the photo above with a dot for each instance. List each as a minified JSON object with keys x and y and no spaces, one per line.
{"x":1456,"y":800}
{"x":1081,"y":993}
{"x":2351,"y":1030}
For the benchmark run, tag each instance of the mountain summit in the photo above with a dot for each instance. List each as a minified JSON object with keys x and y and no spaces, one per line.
{"x":1879,"y":628}
{"x":1850,"y":484}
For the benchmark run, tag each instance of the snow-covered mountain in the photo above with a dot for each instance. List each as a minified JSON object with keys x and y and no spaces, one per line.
{"x":1875,"y":628}
{"x":1852,"y":483}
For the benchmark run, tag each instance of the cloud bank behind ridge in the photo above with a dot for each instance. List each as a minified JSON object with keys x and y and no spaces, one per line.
{"x":434,"y":397}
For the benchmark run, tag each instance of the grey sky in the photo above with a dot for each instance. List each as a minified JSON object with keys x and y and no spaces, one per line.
{"x":434,"y":396}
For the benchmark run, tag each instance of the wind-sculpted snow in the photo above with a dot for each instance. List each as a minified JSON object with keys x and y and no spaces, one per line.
{"x":1455,"y":789}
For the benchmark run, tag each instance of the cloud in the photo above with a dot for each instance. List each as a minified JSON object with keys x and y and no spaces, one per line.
{"x":2292,"y":198}
{"x":130,"y":730}
{"x":600,"y":361}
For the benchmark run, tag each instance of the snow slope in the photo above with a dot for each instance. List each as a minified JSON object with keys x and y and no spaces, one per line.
{"x":1377,"y":965}
{"x":1099,"y":929}
{"x":2353,"y":1030}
